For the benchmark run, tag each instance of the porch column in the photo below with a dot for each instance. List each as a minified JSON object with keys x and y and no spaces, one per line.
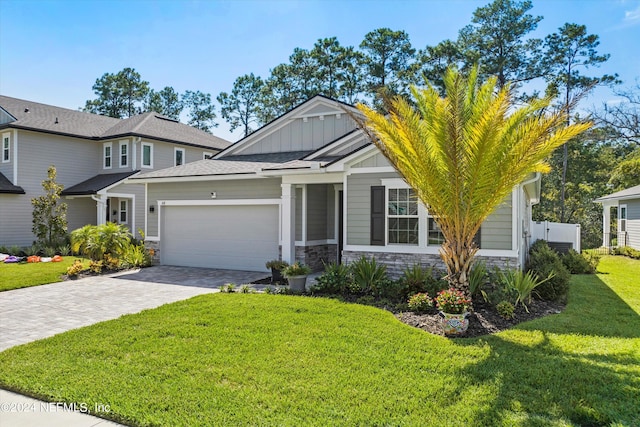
{"x":606,"y":225}
{"x":288,"y":223}
{"x":101,"y":209}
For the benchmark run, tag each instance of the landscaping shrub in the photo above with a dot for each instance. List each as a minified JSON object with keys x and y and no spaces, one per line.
{"x":74,"y":269}
{"x":543,"y":261}
{"x":334,"y":280}
{"x":477,"y":279}
{"x":524,"y":283}
{"x":505,"y":309}
{"x":416,"y":279}
{"x":580,"y":264}
{"x":369,"y":277}
{"x":420,"y":303}
{"x":135,"y":256}
{"x":627,"y":251}
{"x":96,"y":266}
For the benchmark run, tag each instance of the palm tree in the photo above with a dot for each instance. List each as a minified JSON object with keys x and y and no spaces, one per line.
{"x":464,"y":153}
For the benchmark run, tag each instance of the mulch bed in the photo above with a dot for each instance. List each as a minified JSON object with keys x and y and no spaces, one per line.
{"x":484,"y":320}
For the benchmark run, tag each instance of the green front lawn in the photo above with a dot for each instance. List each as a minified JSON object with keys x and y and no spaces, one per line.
{"x":247,"y":359}
{"x":23,"y":275}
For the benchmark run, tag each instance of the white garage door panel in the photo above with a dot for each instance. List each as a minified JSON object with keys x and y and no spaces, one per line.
{"x":233,"y":237}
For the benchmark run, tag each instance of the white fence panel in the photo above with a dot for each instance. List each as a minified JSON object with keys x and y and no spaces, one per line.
{"x":556,"y":233}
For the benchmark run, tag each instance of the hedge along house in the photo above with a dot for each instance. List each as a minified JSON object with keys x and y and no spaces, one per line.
{"x":93,"y":155}
{"x":627,"y":231}
{"x":310,"y":186}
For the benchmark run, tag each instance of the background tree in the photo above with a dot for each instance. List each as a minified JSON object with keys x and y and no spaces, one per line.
{"x":352,"y":76}
{"x":464,"y":153}
{"x":624,"y":118}
{"x":49,"y":215}
{"x":330,"y":59}
{"x":120,"y":95}
{"x":241,"y":107}
{"x":201,"y":111}
{"x":496,"y":40}
{"x":388,"y":59}
{"x":433,"y":62}
{"x":566,"y":53}
{"x":166,"y":102}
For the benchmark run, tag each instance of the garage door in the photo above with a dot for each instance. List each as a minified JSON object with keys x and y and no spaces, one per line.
{"x":233,"y":237}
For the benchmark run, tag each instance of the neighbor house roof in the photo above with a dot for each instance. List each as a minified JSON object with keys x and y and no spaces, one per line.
{"x":51,"y":119}
{"x":629,"y":193}
{"x":96,"y":183}
{"x":6,"y":187}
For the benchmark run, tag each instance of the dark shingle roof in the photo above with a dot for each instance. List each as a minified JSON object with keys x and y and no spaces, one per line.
{"x":6,"y":187}
{"x":96,"y":183}
{"x":283,"y":157}
{"x":209,"y":167}
{"x":48,"y":118}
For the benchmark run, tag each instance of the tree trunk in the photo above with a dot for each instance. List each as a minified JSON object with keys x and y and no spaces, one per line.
{"x":458,"y":257}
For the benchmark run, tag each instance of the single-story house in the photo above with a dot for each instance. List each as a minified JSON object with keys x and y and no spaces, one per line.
{"x":93,"y":155}
{"x":627,"y":203}
{"x":310,"y":186}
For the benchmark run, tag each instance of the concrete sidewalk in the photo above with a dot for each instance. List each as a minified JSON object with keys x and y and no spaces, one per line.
{"x":38,"y":312}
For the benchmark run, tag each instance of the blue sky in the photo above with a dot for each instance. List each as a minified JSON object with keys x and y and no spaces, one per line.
{"x":53,"y":51}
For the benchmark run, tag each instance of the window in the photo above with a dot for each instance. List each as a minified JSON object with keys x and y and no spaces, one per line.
{"x":6,"y":148}
{"x":124,"y":208}
{"x":178,"y":156}
{"x":124,"y":154}
{"x":402,"y":216}
{"x":207,"y":155}
{"x":107,"y":156}
{"x":435,"y":236}
{"x":147,"y":155}
{"x":622,"y":220}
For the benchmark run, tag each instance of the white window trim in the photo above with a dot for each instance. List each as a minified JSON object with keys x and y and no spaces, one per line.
{"x":104,"y":155}
{"x":386,"y":218}
{"x":7,"y":137}
{"x":206,"y":154}
{"x":150,"y":165}
{"x":125,"y":210}
{"x":175,"y":154}
{"x":123,"y":144}
{"x":620,"y":218}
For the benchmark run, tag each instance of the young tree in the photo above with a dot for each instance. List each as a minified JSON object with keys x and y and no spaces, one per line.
{"x":496,"y":40}
{"x":566,"y":53}
{"x":201,"y":111}
{"x":241,"y":107}
{"x":464,"y":153}
{"x":119,"y":95}
{"x":387,"y":62}
{"x":166,"y":102}
{"x":49,"y":215}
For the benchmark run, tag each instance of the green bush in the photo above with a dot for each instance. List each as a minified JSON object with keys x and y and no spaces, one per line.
{"x":369,"y":278}
{"x":505,"y":309}
{"x":334,"y":280}
{"x":524,"y":283}
{"x":627,"y":251}
{"x":580,"y":264}
{"x":543,"y":261}
{"x":135,"y":256}
{"x":416,"y":279}
{"x":420,"y":303}
{"x":477,"y":279}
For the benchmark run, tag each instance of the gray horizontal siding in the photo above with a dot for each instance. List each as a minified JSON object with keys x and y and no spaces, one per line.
{"x":225,"y":190}
{"x":496,"y":231}
{"x":633,"y":222}
{"x":358,"y":201}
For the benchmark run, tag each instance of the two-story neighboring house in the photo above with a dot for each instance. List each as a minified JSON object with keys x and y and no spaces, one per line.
{"x":93,"y":156}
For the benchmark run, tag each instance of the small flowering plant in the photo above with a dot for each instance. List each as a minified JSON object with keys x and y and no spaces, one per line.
{"x":420,"y":303}
{"x":452,"y":301}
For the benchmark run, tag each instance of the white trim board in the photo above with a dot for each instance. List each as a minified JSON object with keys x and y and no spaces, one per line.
{"x":227,"y":202}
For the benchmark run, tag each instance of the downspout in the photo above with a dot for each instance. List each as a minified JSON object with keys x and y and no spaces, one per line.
{"x":527,"y":236}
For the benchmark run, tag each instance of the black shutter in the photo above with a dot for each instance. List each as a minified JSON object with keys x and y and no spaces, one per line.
{"x":377,"y":216}
{"x":476,"y":238}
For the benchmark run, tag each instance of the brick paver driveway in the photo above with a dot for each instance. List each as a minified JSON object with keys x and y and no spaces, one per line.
{"x":33,"y":313}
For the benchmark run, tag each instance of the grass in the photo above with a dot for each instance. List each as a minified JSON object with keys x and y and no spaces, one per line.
{"x":24,"y":275}
{"x":251,"y":359}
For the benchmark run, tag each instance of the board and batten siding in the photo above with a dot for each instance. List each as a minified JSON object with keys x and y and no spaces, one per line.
{"x":496,"y":231}
{"x":377,"y":161}
{"x":74,"y":162}
{"x":633,"y":222}
{"x":301,"y":135}
{"x":225,"y":190}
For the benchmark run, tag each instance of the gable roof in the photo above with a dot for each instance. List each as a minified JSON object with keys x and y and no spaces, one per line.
{"x":6,"y":187}
{"x":39,"y":117}
{"x":628,"y":193}
{"x":96,"y":183}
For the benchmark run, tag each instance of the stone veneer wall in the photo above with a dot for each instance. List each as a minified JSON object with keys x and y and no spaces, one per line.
{"x":397,"y":262}
{"x":154,"y":249}
{"x":315,"y":256}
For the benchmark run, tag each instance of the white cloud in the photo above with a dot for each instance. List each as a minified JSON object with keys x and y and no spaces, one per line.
{"x":632,"y":17}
